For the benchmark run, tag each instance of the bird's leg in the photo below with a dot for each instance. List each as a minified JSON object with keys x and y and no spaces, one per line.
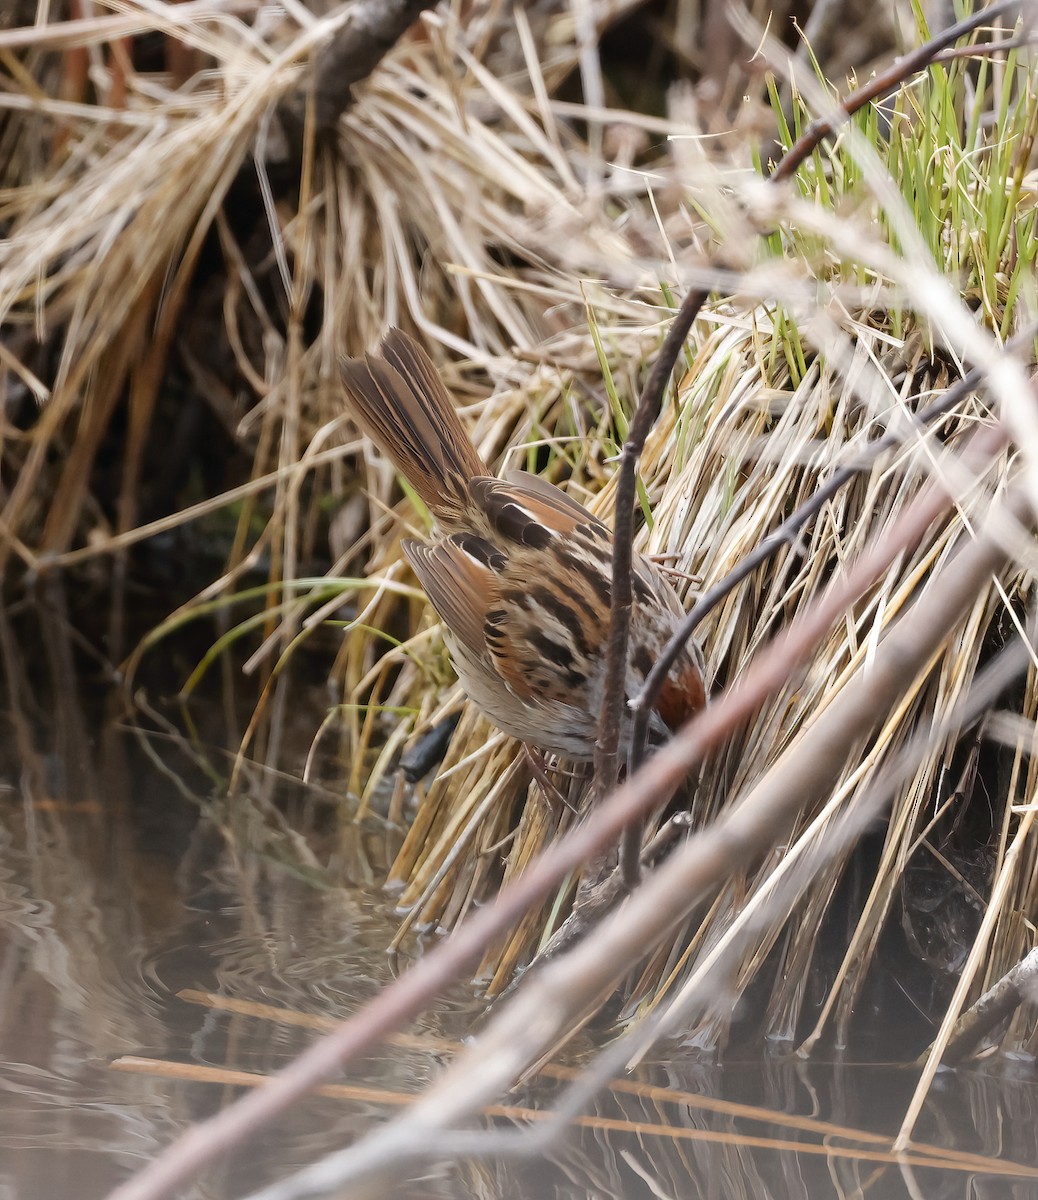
{"x":556,"y":800}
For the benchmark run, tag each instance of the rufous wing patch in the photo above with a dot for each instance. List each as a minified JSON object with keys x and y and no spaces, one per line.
{"x":681,"y":697}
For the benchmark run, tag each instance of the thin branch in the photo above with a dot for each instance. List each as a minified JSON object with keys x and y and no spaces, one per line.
{"x":987,"y":49}
{"x":787,"y":534}
{"x":649,"y":404}
{"x":882,"y":85}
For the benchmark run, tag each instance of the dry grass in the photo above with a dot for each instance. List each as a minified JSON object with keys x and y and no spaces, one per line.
{"x":461,"y":198}
{"x":773,"y":398}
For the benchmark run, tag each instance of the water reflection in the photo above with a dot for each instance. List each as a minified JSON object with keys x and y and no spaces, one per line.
{"x":117,"y":892}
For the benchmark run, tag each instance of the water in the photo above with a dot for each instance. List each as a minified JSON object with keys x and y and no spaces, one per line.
{"x":122,"y":884}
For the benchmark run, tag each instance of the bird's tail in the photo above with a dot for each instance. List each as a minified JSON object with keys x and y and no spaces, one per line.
{"x":400,"y":402}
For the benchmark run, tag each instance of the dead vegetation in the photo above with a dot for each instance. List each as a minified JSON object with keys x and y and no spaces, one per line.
{"x":182,"y":243}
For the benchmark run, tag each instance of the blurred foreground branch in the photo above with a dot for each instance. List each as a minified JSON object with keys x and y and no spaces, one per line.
{"x":551,"y":1001}
{"x":735,"y":838}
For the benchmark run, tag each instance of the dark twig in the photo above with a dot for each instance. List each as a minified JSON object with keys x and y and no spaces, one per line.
{"x":374,"y":28}
{"x":611,"y":717}
{"x":786,"y":535}
{"x":649,"y":403}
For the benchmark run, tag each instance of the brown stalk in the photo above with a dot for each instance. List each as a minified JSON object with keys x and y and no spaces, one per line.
{"x":1018,"y":986}
{"x":919,"y":1156}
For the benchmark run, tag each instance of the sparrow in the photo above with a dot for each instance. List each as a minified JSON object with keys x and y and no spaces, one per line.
{"x":519,"y":572}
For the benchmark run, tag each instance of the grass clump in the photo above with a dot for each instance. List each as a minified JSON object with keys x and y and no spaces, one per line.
{"x":835,"y":334}
{"x":179,"y":248}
